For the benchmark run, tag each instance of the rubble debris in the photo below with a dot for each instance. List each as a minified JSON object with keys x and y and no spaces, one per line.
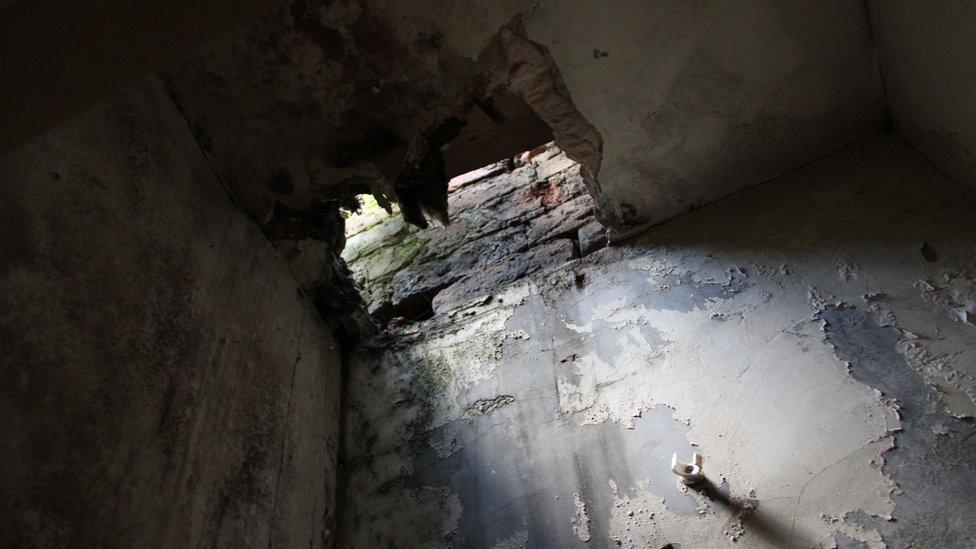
{"x":872,"y":352}
{"x":734,"y":528}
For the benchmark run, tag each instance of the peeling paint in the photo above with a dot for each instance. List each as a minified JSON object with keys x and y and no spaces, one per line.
{"x":685,"y":341}
{"x":581,"y":522}
{"x":955,"y":292}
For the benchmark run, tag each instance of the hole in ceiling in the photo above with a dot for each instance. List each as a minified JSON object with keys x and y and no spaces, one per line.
{"x":509,"y":219}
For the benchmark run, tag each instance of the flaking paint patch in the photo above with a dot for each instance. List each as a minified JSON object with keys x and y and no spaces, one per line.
{"x":957,"y":389}
{"x":546,"y":469}
{"x":686,"y":375}
{"x":605,"y":384}
{"x":581,"y":522}
{"x":643,"y":374}
{"x":458,"y":354}
{"x":641,"y":520}
{"x":936,"y":354}
{"x":756,"y":306}
{"x":848,"y":534}
{"x":932,"y":470}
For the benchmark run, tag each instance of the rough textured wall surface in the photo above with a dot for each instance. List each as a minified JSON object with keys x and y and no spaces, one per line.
{"x":927,"y":50}
{"x":510,"y":219}
{"x":164,"y":381}
{"x":666,"y":106}
{"x":814,"y":338}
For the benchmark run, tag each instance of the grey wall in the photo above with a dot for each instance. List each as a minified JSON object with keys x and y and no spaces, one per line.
{"x":928,"y":55}
{"x":164,"y":383}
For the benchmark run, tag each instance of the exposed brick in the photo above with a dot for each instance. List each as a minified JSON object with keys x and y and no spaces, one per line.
{"x":505,"y":224}
{"x":425,"y":279}
{"x":554,"y":165}
{"x":592,"y":237}
{"x":505,"y":271}
{"x":476,"y":175}
{"x":562,"y":220}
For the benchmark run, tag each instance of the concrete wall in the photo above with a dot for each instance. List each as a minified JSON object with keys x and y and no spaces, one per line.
{"x":812,"y":337}
{"x":164,"y":383}
{"x":928,"y":51}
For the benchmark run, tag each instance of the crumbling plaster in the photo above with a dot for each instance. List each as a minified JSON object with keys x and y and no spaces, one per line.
{"x":795,"y":334}
{"x":163,"y":380}
{"x":665,"y":105}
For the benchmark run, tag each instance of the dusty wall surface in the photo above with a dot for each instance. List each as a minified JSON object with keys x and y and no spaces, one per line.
{"x":814,"y":338}
{"x":164,"y":382}
{"x":927,"y":51}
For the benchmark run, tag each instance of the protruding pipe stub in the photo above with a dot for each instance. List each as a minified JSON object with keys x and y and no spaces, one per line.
{"x":688,"y":473}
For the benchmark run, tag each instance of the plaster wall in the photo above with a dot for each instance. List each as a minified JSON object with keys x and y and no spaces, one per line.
{"x":928,"y":50}
{"x":813,"y":338}
{"x":693,"y":100}
{"x":163,"y":382}
{"x":666,"y":105}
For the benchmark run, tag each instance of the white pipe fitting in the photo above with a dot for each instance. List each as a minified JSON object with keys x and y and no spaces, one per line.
{"x":688,"y":473}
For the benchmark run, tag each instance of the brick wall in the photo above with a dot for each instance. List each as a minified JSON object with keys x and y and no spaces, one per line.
{"x":508,"y":220}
